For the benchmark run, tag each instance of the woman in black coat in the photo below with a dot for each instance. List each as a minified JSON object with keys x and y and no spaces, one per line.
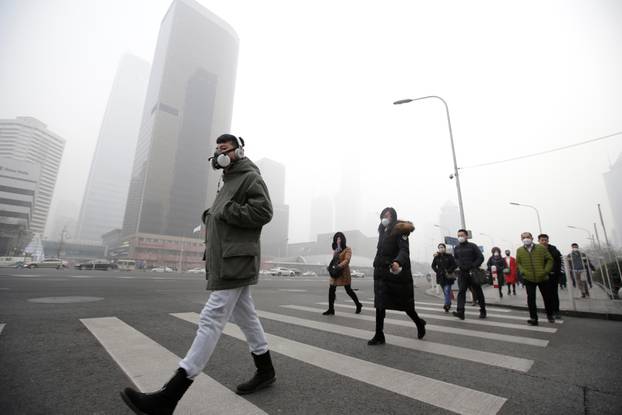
{"x":444,"y":265}
{"x":497,"y":261}
{"x":393,"y":280}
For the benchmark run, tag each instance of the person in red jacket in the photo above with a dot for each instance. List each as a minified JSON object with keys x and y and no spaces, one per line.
{"x":510,"y":271}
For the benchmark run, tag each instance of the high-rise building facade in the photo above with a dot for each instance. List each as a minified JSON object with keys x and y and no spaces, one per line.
{"x":105,"y":196}
{"x":613,"y":183}
{"x":18,"y":189}
{"x":274,"y":236}
{"x":188,"y":105}
{"x":26,"y":138}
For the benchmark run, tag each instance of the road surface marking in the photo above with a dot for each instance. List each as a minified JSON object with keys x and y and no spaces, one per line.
{"x":442,"y":329}
{"x":150,"y":365}
{"x":478,"y":321}
{"x":487,"y":358}
{"x":292,"y":290}
{"x":2,"y":327}
{"x":431,"y":391}
{"x":497,"y":309}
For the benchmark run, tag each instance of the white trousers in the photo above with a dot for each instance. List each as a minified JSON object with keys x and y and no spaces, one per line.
{"x":235,"y":305}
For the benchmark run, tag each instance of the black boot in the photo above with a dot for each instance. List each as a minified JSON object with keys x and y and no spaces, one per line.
{"x":264,"y":376}
{"x":458,"y":314}
{"x":162,"y":402}
{"x":377,"y":339}
{"x":331,"y":301}
{"x":420,"y":328}
{"x":354,"y":298}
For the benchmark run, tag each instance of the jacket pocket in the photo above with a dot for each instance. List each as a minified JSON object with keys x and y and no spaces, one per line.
{"x":240,"y":261}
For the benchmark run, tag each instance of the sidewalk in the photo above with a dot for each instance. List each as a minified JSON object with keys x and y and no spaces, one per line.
{"x":597,"y":306}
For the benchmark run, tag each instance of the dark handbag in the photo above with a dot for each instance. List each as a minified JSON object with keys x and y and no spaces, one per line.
{"x":334,"y":270}
{"x":451,"y":276}
{"x":478,"y":276}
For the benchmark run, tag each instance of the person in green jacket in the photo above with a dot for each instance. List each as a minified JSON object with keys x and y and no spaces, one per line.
{"x":535,"y":263}
{"x":233,"y":226}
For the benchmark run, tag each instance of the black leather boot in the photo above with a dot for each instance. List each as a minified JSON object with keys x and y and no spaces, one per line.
{"x":377,"y":339}
{"x":331,"y":301}
{"x":420,"y":323}
{"x":264,"y":376}
{"x":162,"y":402}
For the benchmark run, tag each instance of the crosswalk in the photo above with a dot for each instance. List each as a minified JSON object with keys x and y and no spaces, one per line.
{"x":148,"y":364}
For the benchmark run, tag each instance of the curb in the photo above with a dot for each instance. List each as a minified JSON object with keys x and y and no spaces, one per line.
{"x":569,"y":313}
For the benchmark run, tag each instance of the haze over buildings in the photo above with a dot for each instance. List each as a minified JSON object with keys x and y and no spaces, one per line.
{"x":188,"y":105}
{"x":105,"y":196}
{"x":28,"y":139}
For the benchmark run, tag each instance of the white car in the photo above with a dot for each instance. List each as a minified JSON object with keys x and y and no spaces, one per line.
{"x":281,"y":271}
{"x":48,"y":263}
{"x":309,"y":274}
{"x":199,"y":270}
{"x":357,"y":274}
{"x":161,"y":269}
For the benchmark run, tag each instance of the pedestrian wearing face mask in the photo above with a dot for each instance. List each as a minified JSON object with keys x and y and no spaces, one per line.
{"x":444,"y":265}
{"x":393,"y":280}
{"x":581,"y":269}
{"x":233,"y":226}
{"x":509,"y":271}
{"x":496,"y":264}
{"x":535,"y":264}
{"x":342,"y":253}
{"x":468,"y":258}
{"x":555,"y":275}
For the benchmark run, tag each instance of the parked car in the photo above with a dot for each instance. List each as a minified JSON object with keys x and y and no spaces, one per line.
{"x":161,"y":269}
{"x":357,"y":274}
{"x":266,"y":272}
{"x":199,"y":270}
{"x":48,"y":263}
{"x":309,"y":274}
{"x":96,"y":264}
{"x":282,"y":271}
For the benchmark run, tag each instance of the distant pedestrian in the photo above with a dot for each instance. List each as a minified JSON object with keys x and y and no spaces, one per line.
{"x":444,"y":265}
{"x":393,"y":280}
{"x":555,"y":275}
{"x":495,"y":265}
{"x":233,"y":223}
{"x":535,"y":264}
{"x":581,"y":269}
{"x":510,"y":272}
{"x":342,"y":255}
{"x":468,"y":258}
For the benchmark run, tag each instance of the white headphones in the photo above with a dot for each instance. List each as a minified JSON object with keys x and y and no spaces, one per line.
{"x":239,"y":152}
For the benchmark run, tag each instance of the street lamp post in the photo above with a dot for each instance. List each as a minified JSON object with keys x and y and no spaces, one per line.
{"x":534,"y":208}
{"x":453,"y":150}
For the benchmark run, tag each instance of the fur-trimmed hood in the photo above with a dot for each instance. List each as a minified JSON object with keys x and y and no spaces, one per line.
{"x":403,"y":227}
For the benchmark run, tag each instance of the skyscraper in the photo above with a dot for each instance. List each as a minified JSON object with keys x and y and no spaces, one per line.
{"x":188,"y":105}
{"x":26,"y":138}
{"x":105,"y":195}
{"x":274,"y":236}
{"x":613,"y":180}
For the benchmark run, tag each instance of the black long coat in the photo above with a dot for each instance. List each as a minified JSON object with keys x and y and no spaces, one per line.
{"x":499,"y":262}
{"x":393,"y":292}
{"x":442,"y":265}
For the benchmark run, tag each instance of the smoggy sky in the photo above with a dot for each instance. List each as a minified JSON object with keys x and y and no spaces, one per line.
{"x":315,"y":86}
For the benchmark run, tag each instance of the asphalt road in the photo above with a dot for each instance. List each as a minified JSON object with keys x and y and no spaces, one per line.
{"x":51,"y":361}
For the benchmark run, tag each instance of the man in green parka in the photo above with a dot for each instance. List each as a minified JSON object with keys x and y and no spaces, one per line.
{"x":535,"y":263}
{"x":233,"y":226}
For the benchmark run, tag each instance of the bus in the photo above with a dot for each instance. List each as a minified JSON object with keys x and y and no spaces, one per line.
{"x":126,"y":264}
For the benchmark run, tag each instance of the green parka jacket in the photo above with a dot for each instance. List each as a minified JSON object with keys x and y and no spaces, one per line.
{"x":534,"y":266}
{"x":233,"y":227}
